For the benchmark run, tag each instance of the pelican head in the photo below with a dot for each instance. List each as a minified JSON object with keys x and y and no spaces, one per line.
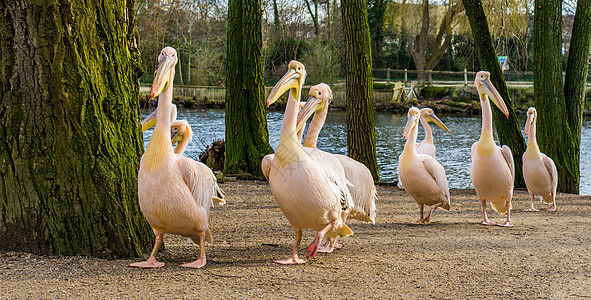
{"x":320,"y":98}
{"x":430,"y":116}
{"x":485,"y":87}
{"x":165,"y":72}
{"x":532,"y":115}
{"x":413,"y":121}
{"x":292,"y":80}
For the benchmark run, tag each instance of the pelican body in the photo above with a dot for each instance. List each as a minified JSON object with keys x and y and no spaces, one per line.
{"x":492,"y":170}
{"x":306,"y":194}
{"x":423,"y":177}
{"x":175,"y":193}
{"x":427,"y":146}
{"x":539,"y":170}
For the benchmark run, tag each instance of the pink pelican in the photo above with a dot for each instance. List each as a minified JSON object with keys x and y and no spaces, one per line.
{"x":175,"y":192}
{"x":426,"y":146}
{"x":423,"y":177}
{"x":302,"y":187}
{"x":492,"y":169}
{"x":539,"y":170}
{"x":362,"y":186}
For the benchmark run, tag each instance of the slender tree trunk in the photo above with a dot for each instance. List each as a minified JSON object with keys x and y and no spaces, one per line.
{"x":574,"y":92}
{"x":560,"y":107}
{"x":507,"y":128}
{"x":70,"y":142}
{"x":361,"y":135}
{"x":314,"y":15}
{"x":376,"y":12}
{"x":247,"y":137}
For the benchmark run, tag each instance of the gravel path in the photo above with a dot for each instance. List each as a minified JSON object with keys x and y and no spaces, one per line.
{"x":546,"y":255}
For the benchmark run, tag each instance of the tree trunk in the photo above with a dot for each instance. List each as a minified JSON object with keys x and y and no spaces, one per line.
{"x":247,"y":137}
{"x":560,"y":108}
{"x":507,"y":128}
{"x":70,"y":142}
{"x":314,"y":15}
{"x":376,"y":13}
{"x":361,"y":135}
{"x":574,"y":93}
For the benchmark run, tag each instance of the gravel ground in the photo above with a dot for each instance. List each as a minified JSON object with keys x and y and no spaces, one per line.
{"x":546,"y":255}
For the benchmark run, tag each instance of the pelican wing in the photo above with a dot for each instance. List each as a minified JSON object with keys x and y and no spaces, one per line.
{"x":266,"y":164}
{"x":363,"y":191}
{"x":551,"y":167}
{"x":437,"y":172}
{"x":335,"y":173}
{"x":509,"y":159}
{"x":201,"y":182}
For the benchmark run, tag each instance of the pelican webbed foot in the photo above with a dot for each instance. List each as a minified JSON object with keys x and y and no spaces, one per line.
{"x":151,"y":263}
{"x":196,"y":264}
{"x":294,"y":260}
{"x":551,"y":208}
{"x":506,"y":224}
{"x":531,"y":210}
{"x":488,"y":223}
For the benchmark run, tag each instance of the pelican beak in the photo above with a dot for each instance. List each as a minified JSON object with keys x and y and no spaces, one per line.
{"x":175,"y":137}
{"x":410,"y":124}
{"x":494,"y":96}
{"x":528,"y":122}
{"x":163,"y":76}
{"x":289,"y":81}
{"x":312,"y":106}
{"x":149,"y":121}
{"x":433,"y":118}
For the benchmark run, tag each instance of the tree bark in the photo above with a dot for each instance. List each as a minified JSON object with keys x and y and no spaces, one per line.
{"x":247,"y":137}
{"x":361,"y":135}
{"x":560,"y":107}
{"x":507,"y":128}
{"x":70,"y":142}
{"x":376,"y":13}
{"x":574,"y":93}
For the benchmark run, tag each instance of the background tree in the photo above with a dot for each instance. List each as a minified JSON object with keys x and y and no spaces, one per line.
{"x":247,"y":137}
{"x":70,"y":142}
{"x":560,"y":106}
{"x":376,"y":10}
{"x":361,"y":134}
{"x":507,"y":128}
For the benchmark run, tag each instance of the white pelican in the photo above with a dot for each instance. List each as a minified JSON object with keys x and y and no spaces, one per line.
{"x":423,"y":177}
{"x":492,"y":169}
{"x":539,"y":170}
{"x":426,"y":146}
{"x":362,"y":186}
{"x":175,"y":192}
{"x":302,"y":188}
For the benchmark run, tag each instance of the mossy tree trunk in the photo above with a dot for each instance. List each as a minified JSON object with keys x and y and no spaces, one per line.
{"x":361,"y":132}
{"x":560,"y":106}
{"x":247,"y":137}
{"x":70,"y":142}
{"x":508,"y":129}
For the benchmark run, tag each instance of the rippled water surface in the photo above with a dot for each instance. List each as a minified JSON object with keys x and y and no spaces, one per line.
{"x":453,"y":149}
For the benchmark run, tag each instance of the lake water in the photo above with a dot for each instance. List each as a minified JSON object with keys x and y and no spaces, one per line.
{"x":453,"y":149}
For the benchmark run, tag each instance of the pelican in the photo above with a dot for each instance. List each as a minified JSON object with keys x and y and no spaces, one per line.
{"x":423,"y":177}
{"x":175,"y":192}
{"x":539,"y":170}
{"x":492,"y":169}
{"x":302,"y":187}
{"x":426,"y":146}
{"x":362,"y":186}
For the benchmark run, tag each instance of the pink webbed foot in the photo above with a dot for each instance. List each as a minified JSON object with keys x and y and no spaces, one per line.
{"x":488,"y":223}
{"x":506,"y":224}
{"x":151,"y":263}
{"x":196,"y":264}
{"x":531,"y":210}
{"x":338,"y":245}
{"x":290,"y":261}
{"x":551,"y":208}
{"x":326,"y":248}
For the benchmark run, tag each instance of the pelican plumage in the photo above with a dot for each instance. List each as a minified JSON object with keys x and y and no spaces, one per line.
{"x":539,"y":170}
{"x":175,"y":193}
{"x":361,"y":187}
{"x":427,"y":146}
{"x":423,"y":177}
{"x":492,"y":171}
{"x":308,"y":196}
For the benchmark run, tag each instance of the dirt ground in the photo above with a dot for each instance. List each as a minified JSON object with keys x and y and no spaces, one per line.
{"x":546,"y":255}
